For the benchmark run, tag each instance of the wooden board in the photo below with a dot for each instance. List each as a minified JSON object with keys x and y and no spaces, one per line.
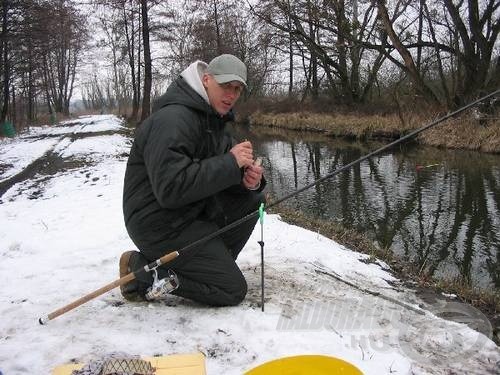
{"x":174,"y":364}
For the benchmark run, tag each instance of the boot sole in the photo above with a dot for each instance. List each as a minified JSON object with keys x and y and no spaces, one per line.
{"x":125,"y":270}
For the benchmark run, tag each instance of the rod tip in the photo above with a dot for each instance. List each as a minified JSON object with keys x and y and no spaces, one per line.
{"x":42,"y":321}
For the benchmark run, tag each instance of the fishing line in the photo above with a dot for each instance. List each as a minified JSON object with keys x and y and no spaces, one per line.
{"x":337,"y":171}
{"x":174,"y":254}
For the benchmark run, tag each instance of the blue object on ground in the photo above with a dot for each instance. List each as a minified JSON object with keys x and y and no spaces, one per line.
{"x":9,"y":131}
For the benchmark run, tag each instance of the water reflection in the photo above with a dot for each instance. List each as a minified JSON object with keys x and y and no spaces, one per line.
{"x":438,"y":208}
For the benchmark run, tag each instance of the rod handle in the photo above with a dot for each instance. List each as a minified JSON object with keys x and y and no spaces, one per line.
{"x":96,"y":293}
{"x":80,"y":301}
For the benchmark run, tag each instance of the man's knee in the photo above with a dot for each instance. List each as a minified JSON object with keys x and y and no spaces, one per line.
{"x":259,"y":197}
{"x":238,"y":292}
{"x":241,"y":205}
{"x":253,"y":202}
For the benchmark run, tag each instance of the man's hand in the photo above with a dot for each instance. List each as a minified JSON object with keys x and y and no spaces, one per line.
{"x":243,"y":152}
{"x":252,"y":176}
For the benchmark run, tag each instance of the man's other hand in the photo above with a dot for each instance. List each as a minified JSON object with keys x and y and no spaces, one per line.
{"x":252,"y":177}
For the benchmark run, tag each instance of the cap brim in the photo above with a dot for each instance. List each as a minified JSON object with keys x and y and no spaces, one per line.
{"x":225,"y":78}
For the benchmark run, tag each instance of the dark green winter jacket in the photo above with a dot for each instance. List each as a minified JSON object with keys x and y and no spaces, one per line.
{"x":178,"y":162}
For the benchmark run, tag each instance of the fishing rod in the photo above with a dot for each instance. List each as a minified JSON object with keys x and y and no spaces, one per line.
{"x":174,"y":254}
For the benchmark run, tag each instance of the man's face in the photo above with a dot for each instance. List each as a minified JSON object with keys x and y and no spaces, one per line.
{"x":222,"y":96}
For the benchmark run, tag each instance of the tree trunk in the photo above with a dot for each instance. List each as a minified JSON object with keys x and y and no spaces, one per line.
{"x":13,"y":109}
{"x":130,"y":38}
{"x":290,"y":57}
{"x":5,"y":62}
{"x":409,"y":64}
{"x":355,"y":55}
{"x":314,"y":63}
{"x":217,"y":28}
{"x":442,"y":75}
{"x":478,"y":34}
{"x":146,"y":98}
{"x":419,"y":34}
{"x":347,"y":94}
{"x":31,"y":112}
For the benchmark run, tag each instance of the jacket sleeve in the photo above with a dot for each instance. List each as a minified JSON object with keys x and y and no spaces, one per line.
{"x":176,"y":176}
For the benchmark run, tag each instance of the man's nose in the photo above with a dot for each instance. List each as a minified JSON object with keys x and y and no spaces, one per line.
{"x":232,"y":94}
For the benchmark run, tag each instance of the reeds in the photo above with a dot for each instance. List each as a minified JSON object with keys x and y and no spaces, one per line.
{"x":465,"y":133}
{"x":336,"y":125}
{"x":462,"y":133}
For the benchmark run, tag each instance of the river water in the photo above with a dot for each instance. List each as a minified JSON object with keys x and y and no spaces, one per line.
{"x":439,"y":209}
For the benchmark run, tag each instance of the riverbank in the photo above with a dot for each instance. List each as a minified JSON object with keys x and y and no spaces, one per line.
{"x":327,"y":300}
{"x":465,"y":132}
{"x":488,"y":302}
{"x":413,"y":274}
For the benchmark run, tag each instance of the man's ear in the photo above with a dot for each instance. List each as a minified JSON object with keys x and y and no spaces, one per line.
{"x":204,"y":80}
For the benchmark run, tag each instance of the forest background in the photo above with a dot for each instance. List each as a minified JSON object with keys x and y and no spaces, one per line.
{"x":357,"y":68}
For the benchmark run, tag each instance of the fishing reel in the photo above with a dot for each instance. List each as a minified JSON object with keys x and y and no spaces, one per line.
{"x":162,"y":287}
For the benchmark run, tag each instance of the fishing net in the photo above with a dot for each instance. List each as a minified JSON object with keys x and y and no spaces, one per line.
{"x":116,"y":364}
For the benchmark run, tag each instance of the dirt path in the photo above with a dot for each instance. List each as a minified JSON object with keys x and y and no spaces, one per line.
{"x":51,"y":162}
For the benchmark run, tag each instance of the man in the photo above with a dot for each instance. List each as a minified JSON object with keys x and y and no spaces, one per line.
{"x":185,"y":179}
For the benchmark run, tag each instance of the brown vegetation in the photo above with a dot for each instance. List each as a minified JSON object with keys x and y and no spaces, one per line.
{"x":462,"y":133}
{"x":465,"y":133}
{"x":337,"y":125}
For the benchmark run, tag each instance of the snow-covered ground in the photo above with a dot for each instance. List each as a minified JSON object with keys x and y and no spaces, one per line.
{"x":62,"y":233}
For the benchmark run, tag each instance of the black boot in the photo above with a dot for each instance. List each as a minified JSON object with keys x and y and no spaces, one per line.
{"x":135,"y":290}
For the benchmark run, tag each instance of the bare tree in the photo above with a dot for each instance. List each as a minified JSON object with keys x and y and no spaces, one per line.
{"x":332,"y":36}
{"x":5,"y":51}
{"x":478,"y":27}
{"x":409,"y":64}
{"x":460,"y":47}
{"x":14,"y":33}
{"x":131,"y":23}
{"x":62,"y":51}
{"x":146,"y":97}
{"x":205,"y":29}
{"x":39,"y":53}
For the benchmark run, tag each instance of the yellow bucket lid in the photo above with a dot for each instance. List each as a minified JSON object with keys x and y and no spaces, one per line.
{"x":306,"y":364}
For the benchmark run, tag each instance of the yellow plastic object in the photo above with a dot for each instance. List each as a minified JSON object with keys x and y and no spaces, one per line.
{"x":178,"y":364}
{"x":306,"y":364}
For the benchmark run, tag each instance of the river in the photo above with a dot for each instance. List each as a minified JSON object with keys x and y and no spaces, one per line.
{"x":439,"y":209}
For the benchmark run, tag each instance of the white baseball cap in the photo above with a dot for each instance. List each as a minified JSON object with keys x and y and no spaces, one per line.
{"x":226,"y":68}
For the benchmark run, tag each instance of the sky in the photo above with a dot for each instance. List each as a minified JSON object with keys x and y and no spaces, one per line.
{"x":63,"y":233}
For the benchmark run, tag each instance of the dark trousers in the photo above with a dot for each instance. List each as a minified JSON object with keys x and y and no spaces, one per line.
{"x":208,"y":273}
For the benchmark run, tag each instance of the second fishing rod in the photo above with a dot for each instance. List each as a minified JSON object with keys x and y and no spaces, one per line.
{"x":174,"y":254}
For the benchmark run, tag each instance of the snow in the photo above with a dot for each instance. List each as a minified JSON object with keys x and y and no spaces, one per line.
{"x":62,"y":235}
{"x":17,"y":154}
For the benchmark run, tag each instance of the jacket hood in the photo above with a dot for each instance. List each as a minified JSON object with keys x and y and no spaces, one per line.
{"x":193,"y":74}
{"x":187,"y":90}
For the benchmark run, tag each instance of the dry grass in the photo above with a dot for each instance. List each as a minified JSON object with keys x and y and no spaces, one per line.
{"x":462,"y":133}
{"x":338,"y":125}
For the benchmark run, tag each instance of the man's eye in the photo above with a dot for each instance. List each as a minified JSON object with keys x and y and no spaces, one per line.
{"x":229,"y":86}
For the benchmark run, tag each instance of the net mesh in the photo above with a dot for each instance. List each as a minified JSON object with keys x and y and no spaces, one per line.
{"x":116,"y":364}
{"x":127,"y":367}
